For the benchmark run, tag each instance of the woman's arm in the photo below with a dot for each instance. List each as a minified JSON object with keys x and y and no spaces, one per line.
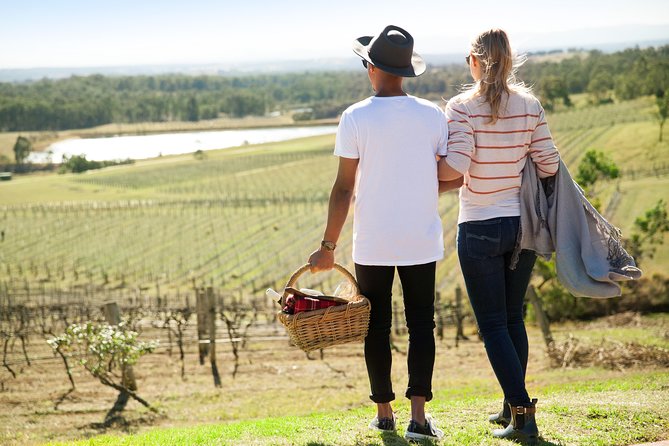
{"x":460,"y":143}
{"x":542,"y":149}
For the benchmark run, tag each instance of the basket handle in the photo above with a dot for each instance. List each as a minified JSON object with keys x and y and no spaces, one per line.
{"x":303,"y":269}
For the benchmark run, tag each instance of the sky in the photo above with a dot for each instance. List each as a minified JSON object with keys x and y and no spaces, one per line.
{"x":88,"y":33}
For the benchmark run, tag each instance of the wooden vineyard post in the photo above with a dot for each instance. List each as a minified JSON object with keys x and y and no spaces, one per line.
{"x":459,"y":317}
{"x":202,"y":327}
{"x":440,"y":315}
{"x":396,"y":319}
{"x":112,"y":313}
{"x":540,"y":315}
{"x":113,"y":317}
{"x":211,"y":307}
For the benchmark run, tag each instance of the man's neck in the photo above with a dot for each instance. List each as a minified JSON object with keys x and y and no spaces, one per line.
{"x":390,"y":91}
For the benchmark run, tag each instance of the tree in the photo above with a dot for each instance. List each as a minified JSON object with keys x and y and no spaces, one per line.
{"x":192,"y":110}
{"x":595,"y":166}
{"x":22,"y":149}
{"x":105,"y":351}
{"x":649,"y":230}
{"x":78,"y":164}
{"x":244,"y":104}
{"x":662,"y":102}
{"x":599,"y":87}
{"x":553,"y":88}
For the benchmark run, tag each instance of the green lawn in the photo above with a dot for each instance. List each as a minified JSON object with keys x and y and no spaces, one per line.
{"x":632,"y":408}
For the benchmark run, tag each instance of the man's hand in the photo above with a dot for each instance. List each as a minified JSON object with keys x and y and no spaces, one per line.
{"x":321,"y":260}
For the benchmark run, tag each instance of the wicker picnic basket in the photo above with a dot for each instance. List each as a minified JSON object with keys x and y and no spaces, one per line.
{"x":312,"y":330}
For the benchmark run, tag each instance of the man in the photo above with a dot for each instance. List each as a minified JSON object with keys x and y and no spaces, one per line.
{"x":387,"y":147}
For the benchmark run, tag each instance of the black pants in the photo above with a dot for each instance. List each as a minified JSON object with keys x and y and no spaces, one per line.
{"x":376,"y":283}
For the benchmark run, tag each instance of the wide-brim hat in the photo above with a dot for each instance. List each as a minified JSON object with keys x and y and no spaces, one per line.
{"x":391,"y":51}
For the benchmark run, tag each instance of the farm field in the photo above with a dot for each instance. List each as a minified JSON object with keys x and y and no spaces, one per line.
{"x":601,"y":405}
{"x":242,"y":220}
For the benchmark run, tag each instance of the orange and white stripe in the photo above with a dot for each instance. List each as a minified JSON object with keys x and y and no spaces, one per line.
{"x":492,"y":156}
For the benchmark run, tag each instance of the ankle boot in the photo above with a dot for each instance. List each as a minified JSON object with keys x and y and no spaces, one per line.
{"x":523,"y":426}
{"x":503,"y":417}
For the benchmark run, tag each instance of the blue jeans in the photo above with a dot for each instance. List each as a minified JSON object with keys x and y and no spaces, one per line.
{"x":496,"y":294}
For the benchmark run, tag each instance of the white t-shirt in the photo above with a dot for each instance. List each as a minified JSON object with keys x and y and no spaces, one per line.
{"x":395,"y":221}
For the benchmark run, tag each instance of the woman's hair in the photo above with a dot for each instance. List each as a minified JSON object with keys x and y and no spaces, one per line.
{"x":498,"y":68}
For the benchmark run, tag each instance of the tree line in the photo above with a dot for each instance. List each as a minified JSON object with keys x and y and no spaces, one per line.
{"x":88,"y":101}
{"x":621,"y":75}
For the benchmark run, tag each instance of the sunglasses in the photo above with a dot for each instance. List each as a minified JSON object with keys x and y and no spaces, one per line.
{"x":364,"y":63}
{"x":467,"y":59}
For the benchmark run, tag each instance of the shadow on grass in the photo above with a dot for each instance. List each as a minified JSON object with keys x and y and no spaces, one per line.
{"x":388,"y":439}
{"x":119,"y":423}
{"x":395,"y":439}
{"x":62,"y":398}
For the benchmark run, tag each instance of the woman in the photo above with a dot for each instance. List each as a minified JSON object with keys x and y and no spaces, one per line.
{"x":497,"y":126}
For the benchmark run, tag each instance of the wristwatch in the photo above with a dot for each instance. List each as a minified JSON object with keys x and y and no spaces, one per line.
{"x":328,"y":246}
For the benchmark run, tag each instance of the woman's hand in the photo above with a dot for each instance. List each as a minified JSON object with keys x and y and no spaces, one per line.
{"x":321,"y":260}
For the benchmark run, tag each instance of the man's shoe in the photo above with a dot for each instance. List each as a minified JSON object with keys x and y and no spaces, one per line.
{"x":383,"y":424}
{"x":428,"y":431}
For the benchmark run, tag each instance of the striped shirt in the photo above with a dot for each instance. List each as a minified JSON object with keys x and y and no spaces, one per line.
{"x":492,"y":156}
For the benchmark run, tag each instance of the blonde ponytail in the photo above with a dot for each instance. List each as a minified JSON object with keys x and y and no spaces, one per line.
{"x":493,"y":50}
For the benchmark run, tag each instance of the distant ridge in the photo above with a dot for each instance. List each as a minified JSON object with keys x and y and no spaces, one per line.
{"x":283,"y":66}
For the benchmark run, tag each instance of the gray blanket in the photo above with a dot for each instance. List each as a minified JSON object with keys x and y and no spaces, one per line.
{"x":556,"y":217}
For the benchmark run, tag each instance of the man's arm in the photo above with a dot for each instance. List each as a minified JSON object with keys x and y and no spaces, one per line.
{"x":447,"y":173}
{"x":340,"y":201}
{"x":446,"y":186}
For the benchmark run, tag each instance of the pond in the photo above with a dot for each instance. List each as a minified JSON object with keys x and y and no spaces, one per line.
{"x":151,"y":146}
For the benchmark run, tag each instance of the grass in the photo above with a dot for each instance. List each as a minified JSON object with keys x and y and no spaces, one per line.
{"x":281,"y":397}
{"x":147,"y":179}
{"x":648,"y":337}
{"x":619,"y":411}
{"x":636,"y":197}
{"x":650,"y":333}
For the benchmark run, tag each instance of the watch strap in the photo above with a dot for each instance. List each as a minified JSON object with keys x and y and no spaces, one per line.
{"x":328,"y":245}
